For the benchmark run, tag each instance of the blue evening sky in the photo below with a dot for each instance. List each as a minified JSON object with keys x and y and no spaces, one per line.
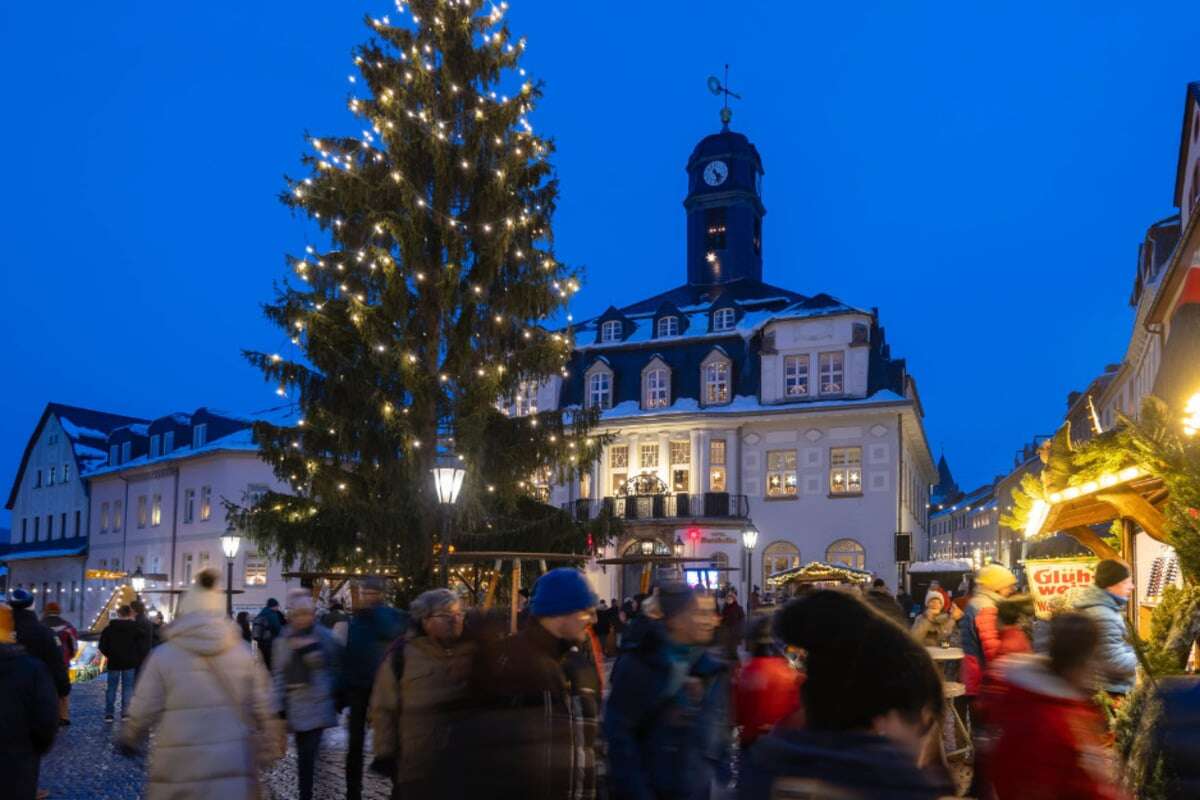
{"x":981,"y":172}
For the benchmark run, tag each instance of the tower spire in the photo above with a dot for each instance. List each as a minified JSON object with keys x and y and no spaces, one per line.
{"x":718,"y":87}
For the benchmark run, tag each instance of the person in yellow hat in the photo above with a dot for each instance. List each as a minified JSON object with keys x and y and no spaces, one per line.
{"x":29,"y":708}
{"x":979,"y":625}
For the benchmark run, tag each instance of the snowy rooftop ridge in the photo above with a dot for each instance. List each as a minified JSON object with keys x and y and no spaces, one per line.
{"x":240,"y":440}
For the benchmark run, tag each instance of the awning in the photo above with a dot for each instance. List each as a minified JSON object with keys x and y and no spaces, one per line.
{"x":819,"y":572}
{"x":947,"y":565}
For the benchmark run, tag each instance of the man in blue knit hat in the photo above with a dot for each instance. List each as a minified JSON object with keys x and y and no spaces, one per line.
{"x":526,"y":737}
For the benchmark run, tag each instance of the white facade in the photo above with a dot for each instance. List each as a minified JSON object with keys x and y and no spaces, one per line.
{"x":170,"y":522}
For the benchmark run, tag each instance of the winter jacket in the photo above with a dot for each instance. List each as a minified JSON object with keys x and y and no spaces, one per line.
{"x":371,"y":633}
{"x":667,"y":720}
{"x":1177,"y":733}
{"x":522,"y":736}
{"x":980,"y":638}
{"x":1013,"y":640}
{"x":123,"y":642}
{"x":1116,"y":660}
{"x":68,"y":637}
{"x":411,"y":714}
{"x":202,"y":746}
{"x":1048,"y":736}
{"x":41,"y":643}
{"x":304,"y":670}
{"x":932,"y":632}
{"x":766,"y":691}
{"x":149,"y":635}
{"x":833,"y":765}
{"x":882,"y":601}
{"x":29,"y":708}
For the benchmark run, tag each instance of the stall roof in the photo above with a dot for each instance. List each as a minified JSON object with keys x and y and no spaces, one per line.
{"x":816,"y":571}
{"x":946,"y":565}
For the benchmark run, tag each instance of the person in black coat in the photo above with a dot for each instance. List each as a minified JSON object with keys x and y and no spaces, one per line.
{"x":39,"y":641}
{"x":29,"y":709}
{"x":124,"y":643}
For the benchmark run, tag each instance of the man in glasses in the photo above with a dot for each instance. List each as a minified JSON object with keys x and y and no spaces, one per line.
{"x":418,"y":693}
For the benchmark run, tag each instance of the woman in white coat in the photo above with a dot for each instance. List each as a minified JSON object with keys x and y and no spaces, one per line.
{"x":205,"y":697}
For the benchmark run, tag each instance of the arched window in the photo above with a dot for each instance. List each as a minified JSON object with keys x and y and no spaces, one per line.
{"x":656,"y":384}
{"x":847,"y":553}
{"x":715,"y":377}
{"x":723,"y":319}
{"x":777,"y":557}
{"x":668,"y":326}
{"x":600,"y":390}
{"x":647,"y":547}
{"x":610,"y":331}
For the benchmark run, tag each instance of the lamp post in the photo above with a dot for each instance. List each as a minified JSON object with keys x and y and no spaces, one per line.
{"x":448,"y":480}
{"x":229,"y":544}
{"x":749,"y":542}
{"x":137,"y":580}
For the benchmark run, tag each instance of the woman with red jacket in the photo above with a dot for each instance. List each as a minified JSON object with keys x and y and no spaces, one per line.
{"x":980,"y":627}
{"x":767,"y":688}
{"x":1049,"y":736}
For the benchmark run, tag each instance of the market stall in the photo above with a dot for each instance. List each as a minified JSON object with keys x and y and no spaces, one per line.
{"x":947,"y":572}
{"x":817,"y":574}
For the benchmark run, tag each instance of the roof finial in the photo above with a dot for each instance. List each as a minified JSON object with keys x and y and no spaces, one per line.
{"x":717,"y":86}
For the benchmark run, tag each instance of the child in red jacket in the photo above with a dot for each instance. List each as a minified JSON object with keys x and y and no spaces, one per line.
{"x":1049,"y":736}
{"x":767,"y":688}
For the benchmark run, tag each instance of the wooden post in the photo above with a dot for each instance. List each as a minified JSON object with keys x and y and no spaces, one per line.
{"x":516,"y":595}
{"x":489,"y":599}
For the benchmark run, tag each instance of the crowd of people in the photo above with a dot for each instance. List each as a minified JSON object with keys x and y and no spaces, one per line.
{"x":671,"y":695}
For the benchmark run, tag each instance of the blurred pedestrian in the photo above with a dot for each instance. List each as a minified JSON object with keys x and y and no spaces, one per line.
{"x":305,"y":668}
{"x":29,"y":709}
{"x":1013,"y":615}
{"x":38,"y":640}
{"x":667,"y":717}
{"x":209,"y":704}
{"x":936,"y":586}
{"x":265,"y":628}
{"x":979,"y":625}
{"x":934,"y":627}
{"x":871,"y":697}
{"x":525,"y":738}
{"x":150,"y":638}
{"x":372,"y":630}
{"x":243,"y":623}
{"x":603,"y":621}
{"x":1049,"y":735}
{"x":1104,"y":602}
{"x":122,"y":642}
{"x":419,"y":693}
{"x":68,"y":639}
{"x":767,"y":688}
{"x":337,"y":620}
{"x":879,"y":598}
{"x":733,"y":625}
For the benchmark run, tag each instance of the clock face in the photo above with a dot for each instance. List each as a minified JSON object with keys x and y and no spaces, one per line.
{"x":715,"y":173}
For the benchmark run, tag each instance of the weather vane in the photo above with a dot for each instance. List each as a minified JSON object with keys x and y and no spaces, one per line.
{"x":717,"y":86}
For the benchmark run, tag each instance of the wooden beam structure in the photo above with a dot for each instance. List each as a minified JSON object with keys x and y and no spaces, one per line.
{"x":1088,"y":538}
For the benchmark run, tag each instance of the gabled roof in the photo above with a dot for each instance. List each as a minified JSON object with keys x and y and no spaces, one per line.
{"x":86,"y":428}
{"x":1190,"y":98}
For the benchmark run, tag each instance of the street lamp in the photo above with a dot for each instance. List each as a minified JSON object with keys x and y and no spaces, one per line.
{"x":678,"y":547}
{"x":137,"y":580}
{"x":230,"y":543}
{"x":1191,"y":415}
{"x":749,"y":542}
{"x":647,"y":547}
{"x":447,"y":480}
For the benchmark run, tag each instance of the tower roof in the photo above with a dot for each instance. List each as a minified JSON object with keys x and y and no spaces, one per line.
{"x":724,"y":143}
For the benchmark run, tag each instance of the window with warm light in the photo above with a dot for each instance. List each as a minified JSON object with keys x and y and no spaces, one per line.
{"x":618,"y":456}
{"x":256,"y":570}
{"x":781,"y":473}
{"x":714,"y":228}
{"x":846,"y":553}
{"x":525,"y":401}
{"x":668,"y":326}
{"x":795,"y":376}
{"x":716,"y":465}
{"x":648,"y":456}
{"x":610,"y":331}
{"x":777,"y":557}
{"x":681,"y":459}
{"x":156,"y":510}
{"x":723,"y":319}
{"x":187,"y":569}
{"x":205,"y":503}
{"x":845,"y":470}
{"x":831,"y":373}
{"x":716,"y":382}
{"x":189,"y":505}
{"x":118,"y":520}
{"x":104,"y":517}
{"x":657,"y":388}
{"x":600,"y":390}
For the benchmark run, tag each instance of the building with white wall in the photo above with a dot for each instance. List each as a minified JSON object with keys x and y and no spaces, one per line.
{"x":730,"y":400}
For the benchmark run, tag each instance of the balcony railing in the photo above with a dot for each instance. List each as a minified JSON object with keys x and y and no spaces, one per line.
{"x":709,"y":505}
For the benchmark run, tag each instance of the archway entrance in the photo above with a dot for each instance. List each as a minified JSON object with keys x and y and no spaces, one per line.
{"x":631,"y":574}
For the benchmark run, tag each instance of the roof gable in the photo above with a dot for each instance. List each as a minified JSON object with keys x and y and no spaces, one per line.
{"x":1191,"y":99}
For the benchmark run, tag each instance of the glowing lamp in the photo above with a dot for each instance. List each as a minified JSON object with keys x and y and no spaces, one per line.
{"x":750,"y":536}
{"x":137,"y":580}
{"x":230,"y":543}
{"x":678,"y":547}
{"x":448,"y":480}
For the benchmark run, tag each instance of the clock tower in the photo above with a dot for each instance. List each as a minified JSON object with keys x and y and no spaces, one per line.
{"x":724,"y":210}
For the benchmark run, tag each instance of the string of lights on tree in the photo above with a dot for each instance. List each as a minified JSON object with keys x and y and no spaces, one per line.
{"x":429,"y":301}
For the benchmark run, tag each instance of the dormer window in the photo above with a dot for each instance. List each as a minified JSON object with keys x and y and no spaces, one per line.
{"x":199,"y":435}
{"x":668,"y":326}
{"x":723,"y":319}
{"x":155,"y":446}
{"x":795,"y":376}
{"x":610,"y":331}
{"x":832,"y":373}
{"x":600,"y":390}
{"x":715,"y":380}
{"x":114,"y":455}
{"x":168,"y":442}
{"x":656,"y":385}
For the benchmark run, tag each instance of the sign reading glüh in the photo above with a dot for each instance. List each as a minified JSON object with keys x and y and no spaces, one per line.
{"x":1057,"y":578}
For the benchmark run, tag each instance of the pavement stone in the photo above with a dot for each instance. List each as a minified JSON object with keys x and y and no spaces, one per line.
{"x":82,"y":764}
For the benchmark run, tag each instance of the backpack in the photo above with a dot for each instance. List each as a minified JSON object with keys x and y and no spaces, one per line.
{"x":260,"y":631}
{"x":66,"y":641}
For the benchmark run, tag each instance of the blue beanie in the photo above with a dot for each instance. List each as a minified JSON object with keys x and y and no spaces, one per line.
{"x":20,"y":598}
{"x":561,"y":591}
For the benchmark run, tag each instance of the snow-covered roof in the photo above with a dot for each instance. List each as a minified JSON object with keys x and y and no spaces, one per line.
{"x":948,"y":565}
{"x":741,"y":404}
{"x":239,"y":440}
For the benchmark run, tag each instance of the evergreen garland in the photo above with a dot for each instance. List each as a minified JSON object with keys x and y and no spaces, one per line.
{"x":432,"y":301}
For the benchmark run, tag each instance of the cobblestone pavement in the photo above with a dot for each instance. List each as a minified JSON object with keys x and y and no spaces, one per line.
{"x":83,"y":766}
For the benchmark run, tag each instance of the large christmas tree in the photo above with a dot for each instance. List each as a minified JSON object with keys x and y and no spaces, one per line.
{"x":435,"y":297}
